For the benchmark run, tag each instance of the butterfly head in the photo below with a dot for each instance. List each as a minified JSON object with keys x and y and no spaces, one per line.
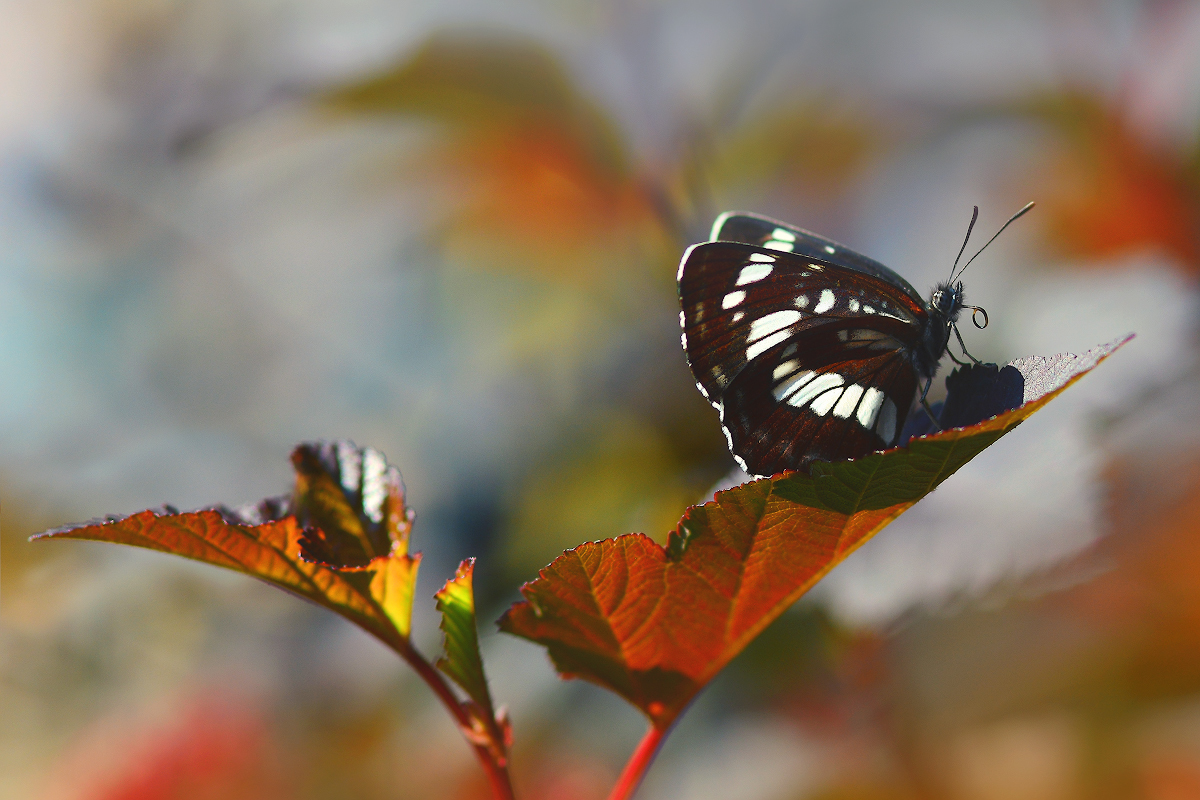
{"x":945,"y":304}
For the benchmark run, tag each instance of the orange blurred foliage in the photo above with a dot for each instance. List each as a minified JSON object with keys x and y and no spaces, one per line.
{"x":1110,"y":192}
{"x":537,"y":198}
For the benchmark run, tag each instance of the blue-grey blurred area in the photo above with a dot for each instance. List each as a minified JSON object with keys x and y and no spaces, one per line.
{"x":450,"y":231}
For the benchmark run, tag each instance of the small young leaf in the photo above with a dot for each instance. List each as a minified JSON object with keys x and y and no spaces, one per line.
{"x":341,"y":540}
{"x":656,"y":624}
{"x":462,"y":661}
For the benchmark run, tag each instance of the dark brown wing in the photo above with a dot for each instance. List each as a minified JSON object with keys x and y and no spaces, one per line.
{"x":805,"y":359}
{"x":742,"y":226}
{"x":844,"y":409}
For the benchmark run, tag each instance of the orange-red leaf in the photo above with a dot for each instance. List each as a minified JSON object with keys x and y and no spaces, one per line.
{"x":655,"y":624}
{"x":355,"y":562}
{"x":1113,"y":191}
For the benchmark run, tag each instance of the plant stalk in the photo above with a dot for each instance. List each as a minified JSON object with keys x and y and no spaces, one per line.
{"x":639,"y":762}
{"x":497,"y":772}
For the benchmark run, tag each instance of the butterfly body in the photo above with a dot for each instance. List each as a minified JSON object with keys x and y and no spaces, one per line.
{"x":809,"y":351}
{"x":944,"y":306}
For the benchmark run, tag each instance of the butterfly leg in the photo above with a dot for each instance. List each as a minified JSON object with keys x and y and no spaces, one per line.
{"x":925,"y":404}
{"x":964,"y":349}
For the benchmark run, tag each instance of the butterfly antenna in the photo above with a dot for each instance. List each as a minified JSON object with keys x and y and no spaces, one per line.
{"x":971,"y":227}
{"x":1011,"y":220}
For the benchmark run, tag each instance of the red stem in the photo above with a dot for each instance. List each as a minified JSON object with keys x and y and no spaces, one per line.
{"x":497,"y":771}
{"x":639,"y":762}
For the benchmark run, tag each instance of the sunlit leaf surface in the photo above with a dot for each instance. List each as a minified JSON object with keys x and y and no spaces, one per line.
{"x":462,"y":661}
{"x":340,"y":540}
{"x":655,"y":624}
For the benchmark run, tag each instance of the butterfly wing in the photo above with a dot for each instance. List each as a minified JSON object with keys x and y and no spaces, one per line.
{"x":788,"y":415}
{"x":805,"y":359}
{"x":740,"y":226}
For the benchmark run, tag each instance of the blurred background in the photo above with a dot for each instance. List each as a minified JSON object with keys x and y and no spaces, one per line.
{"x":450,"y":231}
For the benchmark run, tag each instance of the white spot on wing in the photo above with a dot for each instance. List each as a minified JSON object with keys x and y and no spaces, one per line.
{"x":869,"y":407}
{"x":845,"y":407}
{"x":782,"y":235}
{"x":783,"y":392}
{"x":775,"y":245}
{"x":775,"y":321}
{"x":737,"y":317}
{"x":821,"y":404}
{"x":826,"y":302}
{"x":830,"y":249}
{"x":753,"y":272}
{"x":822,"y":383}
{"x":853,"y":304}
{"x":802,"y":301}
{"x":885,"y":426}
{"x":732,"y":299}
{"x":762,"y":258}
{"x":758,"y":348}
{"x":785,"y":369}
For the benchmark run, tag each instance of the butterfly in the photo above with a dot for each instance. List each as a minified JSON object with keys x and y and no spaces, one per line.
{"x":808,"y":350}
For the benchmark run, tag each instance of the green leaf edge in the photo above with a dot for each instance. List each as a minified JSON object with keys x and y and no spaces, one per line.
{"x":462,"y":661}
